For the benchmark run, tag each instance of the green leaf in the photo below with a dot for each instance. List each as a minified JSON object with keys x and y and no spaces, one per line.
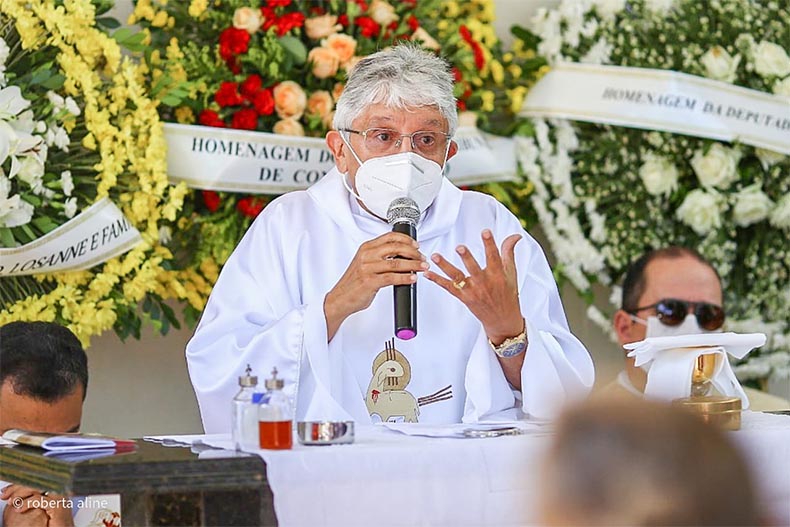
{"x":54,"y":82}
{"x":7,"y":237}
{"x":44,"y":224}
{"x":294,"y":47}
{"x":108,"y":22}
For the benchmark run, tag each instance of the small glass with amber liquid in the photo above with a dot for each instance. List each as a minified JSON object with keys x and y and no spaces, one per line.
{"x":275,"y":419}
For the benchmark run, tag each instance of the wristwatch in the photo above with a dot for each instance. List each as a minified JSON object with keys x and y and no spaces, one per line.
{"x":512,"y":346}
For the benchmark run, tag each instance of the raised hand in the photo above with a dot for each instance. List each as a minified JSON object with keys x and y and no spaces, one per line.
{"x":491,"y":294}
{"x":390,"y":259}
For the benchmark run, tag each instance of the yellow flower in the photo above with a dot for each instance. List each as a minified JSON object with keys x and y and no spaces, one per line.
{"x":487,"y":104}
{"x":185,"y":115}
{"x":497,"y":72}
{"x":197,"y":8}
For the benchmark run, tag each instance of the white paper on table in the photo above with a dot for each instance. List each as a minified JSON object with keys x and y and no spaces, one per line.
{"x":457,"y":429}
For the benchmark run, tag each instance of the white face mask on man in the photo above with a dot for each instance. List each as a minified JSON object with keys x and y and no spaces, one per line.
{"x":380,"y":180}
{"x":656,"y":328}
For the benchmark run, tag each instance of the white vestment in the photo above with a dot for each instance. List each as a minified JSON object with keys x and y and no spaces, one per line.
{"x":266,"y":310}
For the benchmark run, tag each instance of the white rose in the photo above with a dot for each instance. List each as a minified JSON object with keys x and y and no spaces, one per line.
{"x":771,"y":60}
{"x":659,"y":175}
{"x":719,"y":64}
{"x":700,"y":211}
{"x":782,"y":87}
{"x":248,"y":19}
{"x":751,"y":206}
{"x":780,"y":216}
{"x":382,"y":12}
{"x":717,"y":168}
{"x":420,"y":35}
{"x":659,"y":6}
{"x":768,"y":158}
{"x":608,"y":8}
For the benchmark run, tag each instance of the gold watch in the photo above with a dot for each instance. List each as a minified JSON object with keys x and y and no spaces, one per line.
{"x":511,"y":346}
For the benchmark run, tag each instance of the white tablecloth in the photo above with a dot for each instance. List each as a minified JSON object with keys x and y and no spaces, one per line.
{"x":386,"y":478}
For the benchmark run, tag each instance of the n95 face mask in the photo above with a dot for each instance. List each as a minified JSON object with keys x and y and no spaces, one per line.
{"x":380,"y":180}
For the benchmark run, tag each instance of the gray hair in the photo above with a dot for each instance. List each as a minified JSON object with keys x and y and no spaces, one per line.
{"x":400,"y":77}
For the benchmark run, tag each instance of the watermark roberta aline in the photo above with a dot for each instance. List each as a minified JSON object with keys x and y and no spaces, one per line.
{"x":45,"y":502}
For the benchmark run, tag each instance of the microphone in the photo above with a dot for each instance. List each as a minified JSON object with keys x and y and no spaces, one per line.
{"x":403,"y":214}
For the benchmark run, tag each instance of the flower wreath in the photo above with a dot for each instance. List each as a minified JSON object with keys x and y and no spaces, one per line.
{"x":604,"y":194}
{"x":77,"y":126}
{"x":279,"y":66}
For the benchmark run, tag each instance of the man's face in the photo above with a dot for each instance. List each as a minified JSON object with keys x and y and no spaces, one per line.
{"x":683,"y":278}
{"x":27,"y":413}
{"x":423,"y":118}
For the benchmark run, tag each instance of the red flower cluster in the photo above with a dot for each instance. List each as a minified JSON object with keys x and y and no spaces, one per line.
{"x":477,"y":49}
{"x":253,"y":98}
{"x":250,"y":206}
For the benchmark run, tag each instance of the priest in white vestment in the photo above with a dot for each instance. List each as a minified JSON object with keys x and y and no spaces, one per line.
{"x":309,"y":289}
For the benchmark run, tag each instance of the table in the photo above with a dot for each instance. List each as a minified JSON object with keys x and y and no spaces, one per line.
{"x":383,"y":479}
{"x":387,"y":479}
{"x":158,"y":485}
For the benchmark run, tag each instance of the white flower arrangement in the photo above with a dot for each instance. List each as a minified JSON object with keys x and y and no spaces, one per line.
{"x":604,"y":194}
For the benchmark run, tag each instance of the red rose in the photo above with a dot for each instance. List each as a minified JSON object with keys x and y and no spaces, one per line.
{"x":368,"y":27}
{"x":211,"y":199}
{"x":363,"y":5}
{"x":461,"y":105}
{"x":233,"y":42}
{"x":413,"y":22}
{"x":343,"y":20}
{"x":251,"y":86}
{"x":245,"y":119}
{"x":263,"y":101}
{"x":278,"y":3}
{"x":289,"y":21}
{"x":457,"y":75}
{"x":269,"y":17}
{"x":228,"y":95}
{"x":250,"y":206}
{"x":210,"y":118}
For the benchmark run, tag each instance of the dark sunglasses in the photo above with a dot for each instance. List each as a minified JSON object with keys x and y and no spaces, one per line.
{"x":672,"y":312}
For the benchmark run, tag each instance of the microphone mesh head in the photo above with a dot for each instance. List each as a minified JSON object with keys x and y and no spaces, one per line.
{"x":403,"y":210}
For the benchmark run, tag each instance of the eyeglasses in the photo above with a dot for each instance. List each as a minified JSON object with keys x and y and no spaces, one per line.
{"x":382,"y":141}
{"x":672,"y":312}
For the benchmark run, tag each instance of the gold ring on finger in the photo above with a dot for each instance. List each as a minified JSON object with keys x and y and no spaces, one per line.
{"x":460,"y":284}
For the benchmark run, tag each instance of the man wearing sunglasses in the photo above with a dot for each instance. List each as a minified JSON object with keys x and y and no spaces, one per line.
{"x":672,"y":291}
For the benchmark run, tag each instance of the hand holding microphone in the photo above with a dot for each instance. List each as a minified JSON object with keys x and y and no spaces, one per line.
{"x":390,"y":259}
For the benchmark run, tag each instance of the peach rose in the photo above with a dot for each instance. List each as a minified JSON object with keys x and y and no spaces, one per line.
{"x":289,"y":100}
{"x":325,"y":62}
{"x":328,"y":123}
{"x":288,"y":127}
{"x":343,"y":45}
{"x":427,"y":40}
{"x":337,"y":91}
{"x":248,"y":19}
{"x":318,"y":27}
{"x":382,"y":12}
{"x":320,"y":103}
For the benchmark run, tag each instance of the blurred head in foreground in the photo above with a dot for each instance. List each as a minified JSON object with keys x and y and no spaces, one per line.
{"x":43,"y":377}
{"x":617,"y":461}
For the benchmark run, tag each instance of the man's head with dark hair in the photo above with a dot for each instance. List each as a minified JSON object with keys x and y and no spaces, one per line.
{"x":43,"y":377}
{"x":635,"y":280}
{"x":678,"y":273}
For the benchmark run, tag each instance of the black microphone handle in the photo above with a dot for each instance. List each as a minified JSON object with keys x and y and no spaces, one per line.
{"x":405,"y":296}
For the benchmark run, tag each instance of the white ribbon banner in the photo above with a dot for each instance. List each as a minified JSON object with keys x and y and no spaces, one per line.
{"x":94,"y":236}
{"x":662,"y":100}
{"x":262,"y":163}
